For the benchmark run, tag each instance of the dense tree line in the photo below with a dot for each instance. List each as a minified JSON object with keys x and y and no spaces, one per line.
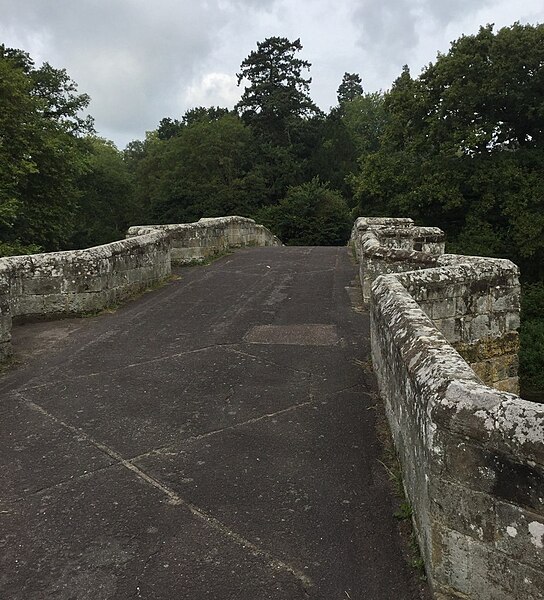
{"x":460,"y":146}
{"x":463,"y":146}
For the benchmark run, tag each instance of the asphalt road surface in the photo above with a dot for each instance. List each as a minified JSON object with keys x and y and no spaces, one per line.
{"x":214,"y":438}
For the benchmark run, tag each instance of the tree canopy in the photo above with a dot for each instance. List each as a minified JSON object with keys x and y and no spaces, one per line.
{"x":462,"y":146}
{"x":277,"y":96}
{"x":42,"y":153}
{"x":311,"y":214}
{"x":350,"y":88}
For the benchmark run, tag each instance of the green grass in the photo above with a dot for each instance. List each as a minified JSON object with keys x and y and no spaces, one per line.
{"x":404,"y":511}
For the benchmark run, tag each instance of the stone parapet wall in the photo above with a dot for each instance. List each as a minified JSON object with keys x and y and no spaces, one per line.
{"x":78,"y":281}
{"x":475,"y":303}
{"x":472,"y":456}
{"x":208,"y":237}
{"x":86,"y":281}
{"x":387,"y":245}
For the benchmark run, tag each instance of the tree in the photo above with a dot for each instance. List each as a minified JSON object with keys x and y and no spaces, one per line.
{"x":201,"y":113}
{"x":106,"y":204}
{"x":463,"y":147}
{"x":277,"y":98}
{"x":42,"y":153}
{"x":365,"y":118}
{"x":350,"y":88}
{"x":169,"y":128}
{"x":206,"y":170}
{"x":19,"y":125}
{"x":311,"y":214}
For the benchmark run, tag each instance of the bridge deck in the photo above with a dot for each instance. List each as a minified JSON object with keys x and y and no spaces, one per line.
{"x":212,"y":439}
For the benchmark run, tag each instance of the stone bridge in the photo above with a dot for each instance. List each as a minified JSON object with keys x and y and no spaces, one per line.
{"x":222,"y":436}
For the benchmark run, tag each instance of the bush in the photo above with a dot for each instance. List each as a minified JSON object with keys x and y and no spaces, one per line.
{"x":310,"y":215}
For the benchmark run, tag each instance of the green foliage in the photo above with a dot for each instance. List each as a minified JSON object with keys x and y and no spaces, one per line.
{"x":532,"y":342}
{"x":204,"y":171}
{"x":365,"y":119}
{"x":310,"y":215}
{"x":16,"y":248}
{"x":106,"y":205}
{"x":169,"y":128}
{"x":200,"y":114}
{"x":279,"y":167}
{"x":404,"y":511}
{"x":19,"y":126}
{"x":462,"y":146}
{"x":42,"y":154}
{"x":350,"y":88}
{"x":276,"y":98}
{"x":350,"y":131}
{"x":334,"y":155}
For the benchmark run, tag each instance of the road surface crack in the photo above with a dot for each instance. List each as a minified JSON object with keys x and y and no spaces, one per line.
{"x":176,"y":500}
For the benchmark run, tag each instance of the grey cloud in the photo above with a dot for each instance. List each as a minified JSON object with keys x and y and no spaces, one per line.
{"x":132,"y":57}
{"x":390,"y":29}
{"x":444,"y":12}
{"x":387,"y":26}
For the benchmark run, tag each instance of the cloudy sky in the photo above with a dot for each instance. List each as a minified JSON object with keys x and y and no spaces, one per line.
{"x":142,"y":60}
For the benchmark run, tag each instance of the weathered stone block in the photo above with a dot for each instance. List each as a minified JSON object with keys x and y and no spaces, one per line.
{"x":30,"y":306}
{"x":448,"y":329}
{"x":42,"y":285}
{"x":55,"y":304}
{"x":85,"y":283}
{"x":496,"y":369}
{"x":464,"y":510}
{"x":520,"y":534}
{"x":490,"y":347}
{"x":443,"y":308}
{"x":468,"y":465}
{"x":512,"y":321}
{"x":508,"y":385}
{"x":478,"y":571}
{"x":494,"y":473}
{"x":482,"y":304}
{"x":479,"y":327}
{"x":504,"y":300}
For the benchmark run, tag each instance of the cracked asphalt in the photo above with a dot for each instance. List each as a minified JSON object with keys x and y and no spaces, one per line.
{"x":214,"y":438}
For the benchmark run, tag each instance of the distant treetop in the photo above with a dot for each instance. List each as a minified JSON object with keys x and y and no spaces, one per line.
{"x":350,"y":88}
{"x":277,"y":93}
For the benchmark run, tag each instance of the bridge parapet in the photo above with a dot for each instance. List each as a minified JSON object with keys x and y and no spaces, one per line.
{"x":387,"y":245}
{"x":472,"y":455}
{"x":210,"y":236}
{"x":85,"y":281}
{"x":78,"y":282}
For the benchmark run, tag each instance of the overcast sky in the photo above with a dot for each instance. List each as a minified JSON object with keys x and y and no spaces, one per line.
{"x":142,"y":60}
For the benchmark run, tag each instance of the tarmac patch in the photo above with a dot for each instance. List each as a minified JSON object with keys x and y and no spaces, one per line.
{"x":311,"y":334}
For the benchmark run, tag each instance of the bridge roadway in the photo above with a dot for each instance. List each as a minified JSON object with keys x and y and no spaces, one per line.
{"x":212,"y":439}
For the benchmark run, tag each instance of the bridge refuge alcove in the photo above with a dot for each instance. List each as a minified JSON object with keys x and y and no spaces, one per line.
{"x":444,"y":349}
